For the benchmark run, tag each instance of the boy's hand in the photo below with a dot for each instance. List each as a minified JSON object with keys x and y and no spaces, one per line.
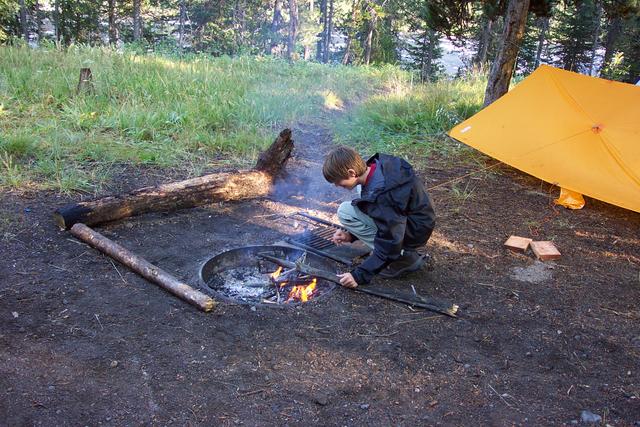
{"x":347,"y":280}
{"x":341,"y":236}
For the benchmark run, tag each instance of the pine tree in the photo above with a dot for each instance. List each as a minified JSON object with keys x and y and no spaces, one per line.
{"x":424,"y":46}
{"x":573,"y":35}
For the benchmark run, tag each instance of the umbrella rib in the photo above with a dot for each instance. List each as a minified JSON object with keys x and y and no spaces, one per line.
{"x":613,"y":152}
{"x":566,"y":93}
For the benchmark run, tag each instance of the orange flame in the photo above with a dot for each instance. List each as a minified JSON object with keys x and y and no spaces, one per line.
{"x":276,"y":273}
{"x":302,"y":292}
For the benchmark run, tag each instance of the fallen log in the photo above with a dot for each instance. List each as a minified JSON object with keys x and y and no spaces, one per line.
{"x":143,"y":267}
{"x":218,"y":187}
{"x":415,"y":300}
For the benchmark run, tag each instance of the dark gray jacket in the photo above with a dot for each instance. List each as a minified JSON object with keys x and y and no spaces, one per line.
{"x":401,"y":209}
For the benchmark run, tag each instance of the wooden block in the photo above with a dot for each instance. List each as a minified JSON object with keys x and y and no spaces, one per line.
{"x":516,"y":243}
{"x":545,"y":250}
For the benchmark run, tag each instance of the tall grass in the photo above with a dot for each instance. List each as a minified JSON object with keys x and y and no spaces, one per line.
{"x":412,"y":119}
{"x":190,"y":112}
{"x":148,"y":109}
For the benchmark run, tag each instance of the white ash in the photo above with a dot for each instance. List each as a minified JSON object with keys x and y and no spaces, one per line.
{"x":245,"y":283}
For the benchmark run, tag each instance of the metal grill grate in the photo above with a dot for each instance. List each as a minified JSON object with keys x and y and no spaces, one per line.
{"x":316,"y":237}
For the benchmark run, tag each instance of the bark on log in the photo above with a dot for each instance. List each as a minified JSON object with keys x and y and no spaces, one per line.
{"x":184,"y":194}
{"x":143,"y":267}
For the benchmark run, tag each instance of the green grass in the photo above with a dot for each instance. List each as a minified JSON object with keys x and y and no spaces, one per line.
{"x":412,"y":119}
{"x":191,"y":112}
{"x":155,"y":110}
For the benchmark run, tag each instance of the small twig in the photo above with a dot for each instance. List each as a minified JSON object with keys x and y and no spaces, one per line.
{"x":579,"y":361}
{"x":249,"y":393}
{"x":117,"y":271}
{"x":378,"y":335}
{"x":194,"y":413}
{"x":628,"y":315}
{"x":99,"y":322}
{"x":488,"y":285}
{"x":416,"y":320}
{"x":500,"y":396}
{"x":471,"y":219}
{"x":57,"y":268}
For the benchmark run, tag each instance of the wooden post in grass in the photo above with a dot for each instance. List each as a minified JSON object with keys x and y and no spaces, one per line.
{"x":85,"y":84}
{"x":199,"y":191}
{"x":143,"y":267}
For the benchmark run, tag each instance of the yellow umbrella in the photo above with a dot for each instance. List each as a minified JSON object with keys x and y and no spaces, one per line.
{"x":581,"y":133}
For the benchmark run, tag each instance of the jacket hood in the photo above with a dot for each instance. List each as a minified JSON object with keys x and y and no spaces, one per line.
{"x":396,"y":171}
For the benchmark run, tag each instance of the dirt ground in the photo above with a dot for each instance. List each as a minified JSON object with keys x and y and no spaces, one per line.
{"x":84,"y":341}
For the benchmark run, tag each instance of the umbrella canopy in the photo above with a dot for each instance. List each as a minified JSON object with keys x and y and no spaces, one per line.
{"x":581,"y":133}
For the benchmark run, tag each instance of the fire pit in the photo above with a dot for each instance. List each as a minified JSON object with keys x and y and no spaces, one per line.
{"x":241,"y":276}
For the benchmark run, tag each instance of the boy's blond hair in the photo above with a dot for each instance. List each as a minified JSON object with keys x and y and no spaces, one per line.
{"x":338,"y":162}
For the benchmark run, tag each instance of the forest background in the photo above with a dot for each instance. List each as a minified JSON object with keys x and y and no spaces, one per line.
{"x":597,"y":37}
{"x":192,"y":83}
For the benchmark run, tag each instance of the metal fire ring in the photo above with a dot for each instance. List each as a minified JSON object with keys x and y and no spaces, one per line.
{"x":247,"y":257}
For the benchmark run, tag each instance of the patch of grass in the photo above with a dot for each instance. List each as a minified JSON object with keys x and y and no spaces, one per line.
{"x":412,"y":119}
{"x":11,"y":173}
{"x":155,"y":110}
{"x":18,"y":146}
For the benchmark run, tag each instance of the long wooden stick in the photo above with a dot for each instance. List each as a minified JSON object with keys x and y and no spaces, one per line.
{"x":143,"y":267}
{"x":416,"y":301}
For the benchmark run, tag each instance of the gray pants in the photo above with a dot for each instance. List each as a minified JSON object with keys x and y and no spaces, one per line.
{"x":357,"y":223}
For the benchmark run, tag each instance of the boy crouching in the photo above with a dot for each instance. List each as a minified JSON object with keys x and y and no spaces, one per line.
{"x":393,"y":214}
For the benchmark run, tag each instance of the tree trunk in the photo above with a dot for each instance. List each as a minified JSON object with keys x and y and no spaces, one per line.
{"x":427,"y":55}
{"x":503,"y":65}
{"x":137,"y":24}
{"x":596,"y":38}
{"x":350,"y":33}
{"x":143,"y":267}
{"x":328,"y":32}
{"x":275,"y":26}
{"x":38,"y":17}
{"x":56,"y":19}
{"x":321,"y":36}
{"x":293,"y":28}
{"x":23,"y":21}
{"x":615,"y":29}
{"x":239,"y":20}
{"x":183,"y":17}
{"x":113,"y":31}
{"x":184,"y":194}
{"x":347,"y":52}
{"x":369,"y":38}
{"x":307,"y":47}
{"x":485,"y":41}
{"x":542,"y":37}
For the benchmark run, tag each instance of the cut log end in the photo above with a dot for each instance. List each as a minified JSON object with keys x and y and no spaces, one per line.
{"x":273,"y":159}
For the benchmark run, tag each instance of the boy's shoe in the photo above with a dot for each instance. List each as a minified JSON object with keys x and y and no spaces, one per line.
{"x":410,"y":261}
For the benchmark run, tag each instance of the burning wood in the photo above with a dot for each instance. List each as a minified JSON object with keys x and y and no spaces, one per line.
{"x":303,"y":287}
{"x":414,"y":300}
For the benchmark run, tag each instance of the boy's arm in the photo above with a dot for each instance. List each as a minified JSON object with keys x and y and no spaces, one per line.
{"x":387,"y":243}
